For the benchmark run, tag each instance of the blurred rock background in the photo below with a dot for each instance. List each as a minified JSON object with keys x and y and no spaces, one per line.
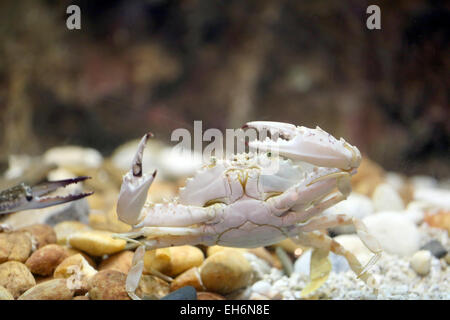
{"x":158,"y":65}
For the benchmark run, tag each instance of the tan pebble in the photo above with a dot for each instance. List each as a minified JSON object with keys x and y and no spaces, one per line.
{"x":44,"y":261}
{"x":421,"y":262}
{"x":183,"y":258}
{"x":16,"y":277}
{"x":5,"y":294}
{"x":108,"y":285}
{"x":440,"y":219}
{"x":55,"y":289}
{"x":214,"y":249}
{"x":81,"y":298}
{"x":77,"y":270}
{"x":225,"y":272}
{"x":447,"y":258}
{"x":39,"y":279}
{"x":73,"y":251}
{"x":209,"y":296}
{"x":153,"y":287}
{"x":96,"y":243}
{"x":190,"y":277}
{"x":15,"y":246}
{"x":120,"y":261}
{"x":43,"y":234}
{"x":157,"y":259}
{"x":66,"y":228}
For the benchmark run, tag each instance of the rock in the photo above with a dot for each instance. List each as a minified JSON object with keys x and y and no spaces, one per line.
{"x":436,"y":248}
{"x":72,"y":252}
{"x":386,"y":198}
{"x":81,"y":298}
{"x":225,"y":272}
{"x":421,"y":262}
{"x":214,"y":249}
{"x":259,"y":266}
{"x":356,"y":205}
{"x":74,"y":157}
{"x":185,"y":293}
{"x":78,"y":272}
{"x":265,"y":290}
{"x":438,"y":219}
{"x":108,"y":285}
{"x":67,"y":228}
{"x":209,"y":296}
{"x":396,"y":233}
{"x":96,"y":243}
{"x":40,"y":279}
{"x":264,"y":254}
{"x":16,"y":278}
{"x":190,"y":277}
{"x":15,"y":246}
{"x":44,"y":261}
{"x":301,"y":265}
{"x":174,"y":260}
{"x":5,"y":295}
{"x":338,"y":263}
{"x":152,"y":287}
{"x":437,"y":197}
{"x":120,"y":261}
{"x":55,"y":289}
{"x":369,"y":176}
{"x":42,"y":234}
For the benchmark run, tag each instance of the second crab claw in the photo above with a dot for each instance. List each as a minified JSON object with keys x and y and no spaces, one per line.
{"x":305,"y":144}
{"x":23,"y":197}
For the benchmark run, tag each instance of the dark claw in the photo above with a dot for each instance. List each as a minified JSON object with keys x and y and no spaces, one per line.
{"x":49,"y":186}
{"x":52,"y":201}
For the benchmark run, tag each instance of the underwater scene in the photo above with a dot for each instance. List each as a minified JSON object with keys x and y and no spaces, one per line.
{"x":224,"y":150}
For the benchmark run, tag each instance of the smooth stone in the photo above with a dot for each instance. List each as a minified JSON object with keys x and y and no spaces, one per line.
{"x":152,"y":287}
{"x":185,"y":293}
{"x":302,"y":264}
{"x":356,"y":205}
{"x":108,"y":285}
{"x":120,"y":261}
{"x":55,"y":289}
{"x":395,"y":232}
{"x":66,"y":228}
{"x":77,"y":271}
{"x":42,"y":234}
{"x":174,"y":260}
{"x":386,"y":198}
{"x":438,"y":219}
{"x":421,"y":262}
{"x":16,"y":278}
{"x":44,"y":261}
{"x":338,"y":263}
{"x":436,"y":248}
{"x":5,"y":294}
{"x":74,"y":156}
{"x":437,"y":197}
{"x":209,"y":296}
{"x":190,"y":277}
{"x":96,"y":243}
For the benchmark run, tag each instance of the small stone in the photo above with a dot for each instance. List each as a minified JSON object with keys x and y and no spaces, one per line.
{"x":120,"y":261}
{"x":44,"y":261}
{"x":185,"y":293}
{"x":157,"y":259}
{"x":214,"y":249}
{"x":15,"y":246}
{"x":16,"y":278}
{"x":74,"y":157}
{"x":395,"y":232}
{"x":301,"y":265}
{"x":225,"y":272}
{"x":264,"y":254}
{"x":55,"y":289}
{"x":72,"y":252}
{"x":421,"y":262}
{"x":77,"y":269}
{"x":174,"y":260}
{"x":5,"y":294}
{"x":190,"y":277}
{"x":209,"y":296}
{"x":439,"y":219}
{"x":152,"y":287}
{"x":66,"y":228}
{"x":436,"y":248}
{"x":96,"y":243}
{"x":108,"y":285}
{"x":386,"y":198}
{"x":43,"y":234}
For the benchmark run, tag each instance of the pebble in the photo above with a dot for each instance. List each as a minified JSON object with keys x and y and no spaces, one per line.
{"x":42,"y":234}
{"x":4,"y":294}
{"x":209,"y":296}
{"x":96,"y":243}
{"x":396,"y":233}
{"x":259,"y":266}
{"x":301,"y":265}
{"x":190,"y":277}
{"x":421,"y":262}
{"x":108,"y":285}
{"x":225,"y":272}
{"x":152,"y":287}
{"x":66,"y":228}
{"x":437,"y":197}
{"x":15,"y":246}
{"x":44,"y":261}
{"x":356,"y":205}
{"x":78,"y":272}
{"x":74,"y":157}
{"x":16,"y":278}
{"x":55,"y":289}
{"x":174,"y":260}
{"x":386,"y":198}
{"x":185,"y":293}
{"x":436,"y":248}
{"x":439,"y":219}
{"x":120,"y":261}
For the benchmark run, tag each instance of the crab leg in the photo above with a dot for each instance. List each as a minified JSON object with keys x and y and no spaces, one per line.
{"x":319,"y":240}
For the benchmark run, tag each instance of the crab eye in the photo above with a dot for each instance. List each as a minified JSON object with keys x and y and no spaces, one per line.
{"x":29,"y":197}
{"x":269,"y":154}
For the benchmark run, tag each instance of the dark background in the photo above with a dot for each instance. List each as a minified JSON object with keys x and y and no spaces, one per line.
{"x":157,"y":65}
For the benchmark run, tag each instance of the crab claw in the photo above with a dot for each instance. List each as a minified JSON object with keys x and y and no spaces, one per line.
{"x":310,"y":145}
{"x":134,"y":189}
{"x":23,"y":197}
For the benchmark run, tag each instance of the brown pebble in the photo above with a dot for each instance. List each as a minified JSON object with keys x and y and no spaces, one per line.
{"x":15,"y":246}
{"x":55,"y":289}
{"x":5,"y":294}
{"x":108,"y":285}
{"x":190,"y":277}
{"x":209,"y":296}
{"x":16,"y":278}
{"x":120,"y":261}
{"x":153,"y":287}
{"x":44,"y":261}
{"x":43,"y":234}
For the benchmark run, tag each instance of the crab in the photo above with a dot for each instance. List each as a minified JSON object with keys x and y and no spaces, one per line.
{"x":24,"y":197}
{"x":236,"y":202}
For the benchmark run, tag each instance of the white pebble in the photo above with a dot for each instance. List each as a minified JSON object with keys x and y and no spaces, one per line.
{"x":421,"y":262}
{"x":385,"y":197}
